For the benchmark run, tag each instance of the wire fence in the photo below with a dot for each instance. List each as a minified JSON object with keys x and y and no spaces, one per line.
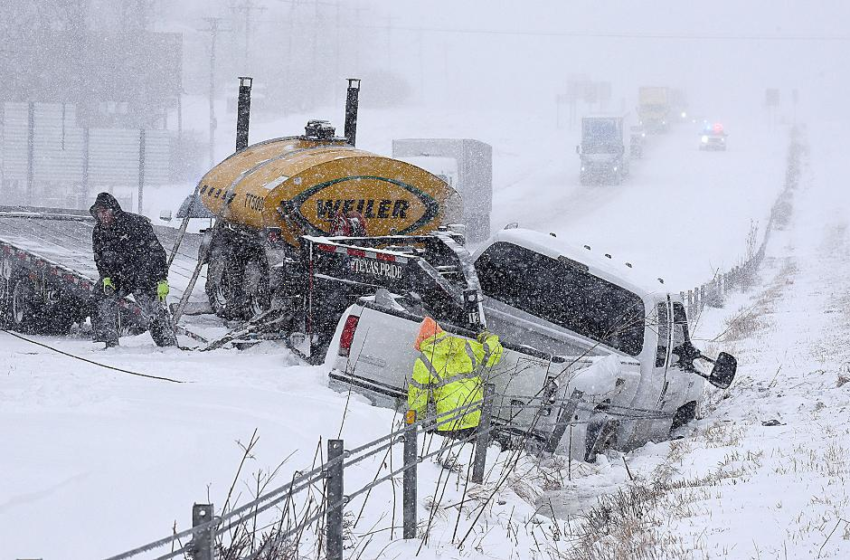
{"x":203,"y":541}
{"x":714,"y":292}
{"x":207,"y":526}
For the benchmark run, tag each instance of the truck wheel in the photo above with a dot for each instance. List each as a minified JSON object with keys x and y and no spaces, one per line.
{"x":224,"y":284}
{"x":601,"y":435}
{"x":255,"y":287}
{"x":684,"y":414}
{"x":21,"y":307}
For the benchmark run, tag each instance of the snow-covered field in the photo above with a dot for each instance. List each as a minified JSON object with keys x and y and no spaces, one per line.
{"x":95,"y":461}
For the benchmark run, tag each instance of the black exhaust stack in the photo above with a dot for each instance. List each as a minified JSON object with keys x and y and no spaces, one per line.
{"x":243,"y":112}
{"x":351,"y":102}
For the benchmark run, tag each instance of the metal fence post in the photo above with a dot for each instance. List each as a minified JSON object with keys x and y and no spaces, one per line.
{"x":30,"y":151}
{"x":483,"y":439}
{"x":203,"y":542}
{"x":691,"y":311}
{"x":142,"y":160}
{"x":408,"y":489}
{"x":335,"y":497}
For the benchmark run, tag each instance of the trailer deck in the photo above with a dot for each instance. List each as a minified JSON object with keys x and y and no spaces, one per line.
{"x":60,"y":239}
{"x":50,"y":249}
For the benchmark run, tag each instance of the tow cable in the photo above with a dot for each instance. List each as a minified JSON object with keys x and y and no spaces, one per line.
{"x":148,"y":376}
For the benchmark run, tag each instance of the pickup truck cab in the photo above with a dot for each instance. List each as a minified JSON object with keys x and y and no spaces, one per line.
{"x":575,"y":325}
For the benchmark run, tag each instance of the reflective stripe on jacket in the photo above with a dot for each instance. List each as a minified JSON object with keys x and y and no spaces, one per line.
{"x":448,"y":369}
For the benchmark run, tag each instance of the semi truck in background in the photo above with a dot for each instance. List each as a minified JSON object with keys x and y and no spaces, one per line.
{"x":654,"y":108}
{"x":679,"y":106}
{"x":604,"y":159}
{"x":466,"y":166}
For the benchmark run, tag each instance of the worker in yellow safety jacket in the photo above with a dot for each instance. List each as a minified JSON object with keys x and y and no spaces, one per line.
{"x":448,"y":371}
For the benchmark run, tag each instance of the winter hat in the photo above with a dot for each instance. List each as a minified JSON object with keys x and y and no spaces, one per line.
{"x":106,"y":201}
{"x":428,"y":329}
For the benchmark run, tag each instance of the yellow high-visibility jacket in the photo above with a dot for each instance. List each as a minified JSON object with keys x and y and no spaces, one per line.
{"x":448,"y":370}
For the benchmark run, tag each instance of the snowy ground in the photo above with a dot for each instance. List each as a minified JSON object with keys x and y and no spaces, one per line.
{"x":97,"y":461}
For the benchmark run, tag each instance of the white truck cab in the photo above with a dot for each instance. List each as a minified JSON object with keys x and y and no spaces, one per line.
{"x":573,"y":323}
{"x":548,"y":294}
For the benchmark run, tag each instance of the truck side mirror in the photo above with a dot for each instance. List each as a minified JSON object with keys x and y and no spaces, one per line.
{"x":723,"y":372}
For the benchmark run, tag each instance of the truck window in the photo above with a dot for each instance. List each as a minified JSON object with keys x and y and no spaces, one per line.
{"x":663,"y":329}
{"x":563,"y":294}
{"x":600,"y":136}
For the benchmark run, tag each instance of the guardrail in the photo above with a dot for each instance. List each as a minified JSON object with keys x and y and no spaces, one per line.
{"x":207,"y":526}
{"x":713,"y":292}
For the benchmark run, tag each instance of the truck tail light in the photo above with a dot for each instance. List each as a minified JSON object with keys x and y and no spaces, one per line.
{"x":348,"y":335}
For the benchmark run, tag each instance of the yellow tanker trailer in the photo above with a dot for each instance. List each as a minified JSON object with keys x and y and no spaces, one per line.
{"x":267,"y":195}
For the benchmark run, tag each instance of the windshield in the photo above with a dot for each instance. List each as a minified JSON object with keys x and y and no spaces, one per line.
{"x":601,"y":136}
{"x":564,"y":294}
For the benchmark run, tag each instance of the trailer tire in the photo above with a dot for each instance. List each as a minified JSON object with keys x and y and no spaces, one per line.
{"x":684,"y":414}
{"x":21,"y":311}
{"x":224,"y":283}
{"x":255,"y":287}
{"x":55,"y":320}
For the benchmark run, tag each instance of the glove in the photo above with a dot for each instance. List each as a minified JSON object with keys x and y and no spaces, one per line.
{"x":108,"y":286}
{"x":162,"y":289}
{"x":482,"y":336}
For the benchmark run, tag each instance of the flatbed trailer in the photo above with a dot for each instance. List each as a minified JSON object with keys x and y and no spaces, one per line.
{"x":48,"y":273}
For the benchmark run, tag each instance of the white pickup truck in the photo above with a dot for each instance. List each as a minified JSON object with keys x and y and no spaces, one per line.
{"x":576,"y":327}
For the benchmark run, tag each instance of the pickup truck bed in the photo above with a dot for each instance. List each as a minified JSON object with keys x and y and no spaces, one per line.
{"x":532,"y":387}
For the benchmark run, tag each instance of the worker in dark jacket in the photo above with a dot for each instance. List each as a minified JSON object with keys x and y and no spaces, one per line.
{"x":130,"y":260}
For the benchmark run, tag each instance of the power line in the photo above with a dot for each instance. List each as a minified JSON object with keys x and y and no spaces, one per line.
{"x":247,"y":6}
{"x":582,"y":35}
{"x":649,"y":36}
{"x":213,"y":30}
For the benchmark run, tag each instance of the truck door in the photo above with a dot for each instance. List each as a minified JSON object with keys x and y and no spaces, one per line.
{"x":662,"y":351}
{"x":679,"y":381}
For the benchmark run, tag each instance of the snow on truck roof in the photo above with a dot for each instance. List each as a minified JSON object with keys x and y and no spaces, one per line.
{"x":612,"y":269}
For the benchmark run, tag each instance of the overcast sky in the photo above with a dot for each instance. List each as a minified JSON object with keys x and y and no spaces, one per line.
{"x":723,"y":53}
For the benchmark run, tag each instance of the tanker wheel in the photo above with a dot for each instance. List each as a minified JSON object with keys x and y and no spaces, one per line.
{"x":224,"y":284}
{"x":255,"y":287}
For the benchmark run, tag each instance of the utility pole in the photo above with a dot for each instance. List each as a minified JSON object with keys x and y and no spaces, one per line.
{"x":247,"y":6}
{"x":213,"y":30}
